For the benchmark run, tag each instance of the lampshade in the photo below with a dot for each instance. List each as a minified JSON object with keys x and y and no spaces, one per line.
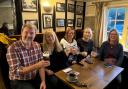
{"x":46,"y":6}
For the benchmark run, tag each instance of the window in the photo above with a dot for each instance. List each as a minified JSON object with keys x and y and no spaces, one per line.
{"x":115,"y":20}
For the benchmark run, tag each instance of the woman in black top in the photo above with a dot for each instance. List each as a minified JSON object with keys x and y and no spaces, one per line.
{"x":85,"y":44}
{"x":58,"y":59}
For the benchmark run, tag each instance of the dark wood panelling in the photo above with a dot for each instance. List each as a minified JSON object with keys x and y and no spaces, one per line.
{"x":39,"y":16}
{"x":18,"y":9}
{"x":84,"y":9}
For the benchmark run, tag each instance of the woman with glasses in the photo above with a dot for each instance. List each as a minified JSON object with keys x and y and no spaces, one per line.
{"x":111,"y":52}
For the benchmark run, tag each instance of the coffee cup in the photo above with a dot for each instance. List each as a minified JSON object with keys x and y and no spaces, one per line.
{"x":72,"y":77}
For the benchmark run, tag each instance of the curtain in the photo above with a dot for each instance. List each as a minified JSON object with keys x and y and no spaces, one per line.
{"x":99,"y":6}
{"x":103,"y":26}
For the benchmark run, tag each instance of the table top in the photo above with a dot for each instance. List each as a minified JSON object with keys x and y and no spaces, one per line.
{"x":95,"y":75}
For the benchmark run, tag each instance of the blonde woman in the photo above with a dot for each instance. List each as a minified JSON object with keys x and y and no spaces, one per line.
{"x":51,"y":44}
{"x":57,"y":57}
{"x":69,"y":45}
{"x":85,"y":44}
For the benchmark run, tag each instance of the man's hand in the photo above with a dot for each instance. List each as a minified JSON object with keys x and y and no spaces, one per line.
{"x":43,"y":63}
{"x":43,"y":85}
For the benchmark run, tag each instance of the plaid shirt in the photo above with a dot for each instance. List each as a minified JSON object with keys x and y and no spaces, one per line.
{"x":18,"y":56}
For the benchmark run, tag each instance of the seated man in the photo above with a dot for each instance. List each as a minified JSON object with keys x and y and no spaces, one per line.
{"x":25,"y":59}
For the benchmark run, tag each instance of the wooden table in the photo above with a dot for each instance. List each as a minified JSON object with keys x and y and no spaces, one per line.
{"x":95,"y":75}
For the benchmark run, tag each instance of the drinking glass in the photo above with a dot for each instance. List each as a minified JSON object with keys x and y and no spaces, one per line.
{"x":94,"y":52}
{"x":46,"y":55}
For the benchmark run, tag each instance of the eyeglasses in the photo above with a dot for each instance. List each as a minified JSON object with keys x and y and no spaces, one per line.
{"x":113,"y":34}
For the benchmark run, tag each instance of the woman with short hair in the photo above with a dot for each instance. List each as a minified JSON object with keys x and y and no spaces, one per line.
{"x":69,"y":45}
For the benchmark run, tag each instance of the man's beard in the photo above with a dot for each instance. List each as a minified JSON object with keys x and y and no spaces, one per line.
{"x":29,"y":39}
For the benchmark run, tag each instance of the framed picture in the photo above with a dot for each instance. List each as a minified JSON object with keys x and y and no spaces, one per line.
{"x":70,"y":8}
{"x":60,"y":7}
{"x":79,"y":22}
{"x":60,"y":22}
{"x":47,"y":20}
{"x":79,"y":10}
{"x":29,"y":5}
{"x":32,"y":21}
{"x":70,"y":22}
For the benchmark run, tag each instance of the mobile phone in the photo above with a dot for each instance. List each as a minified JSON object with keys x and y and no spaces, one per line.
{"x":107,"y":65}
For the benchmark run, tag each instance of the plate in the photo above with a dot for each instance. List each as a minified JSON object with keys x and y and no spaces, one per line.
{"x":75,"y":80}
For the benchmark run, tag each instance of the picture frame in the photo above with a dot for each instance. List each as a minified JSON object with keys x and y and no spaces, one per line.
{"x":71,"y":8}
{"x":70,"y":22}
{"x":32,"y":21}
{"x":79,"y":10}
{"x":60,"y":7}
{"x":47,"y":20}
{"x":60,"y":22}
{"x":79,"y":22}
{"x":29,"y":5}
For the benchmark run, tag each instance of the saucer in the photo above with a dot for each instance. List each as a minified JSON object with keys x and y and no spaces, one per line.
{"x":72,"y":81}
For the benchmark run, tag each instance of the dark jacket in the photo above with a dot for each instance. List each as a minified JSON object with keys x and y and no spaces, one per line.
{"x":116,"y":52}
{"x":58,"y":61}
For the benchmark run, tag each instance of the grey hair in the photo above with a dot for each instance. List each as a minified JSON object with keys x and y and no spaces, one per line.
{"x":30,"y":26}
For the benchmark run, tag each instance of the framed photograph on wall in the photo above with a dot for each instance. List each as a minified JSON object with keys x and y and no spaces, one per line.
{"x":79,"y":10}
{"x":60,"y":7}
{"x":47,"y":20}
{"x":32,"y":21}
{"x":29,"y":5}
{"x":70,"y":8}
{"x":60,"y":22}
{"x":79,"y":22}
{"x":70,"y":22}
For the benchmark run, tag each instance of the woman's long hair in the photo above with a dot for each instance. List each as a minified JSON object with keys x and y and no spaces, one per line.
{"x":56,"y":45}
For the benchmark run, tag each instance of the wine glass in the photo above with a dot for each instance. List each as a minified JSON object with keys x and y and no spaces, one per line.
{"x":94,"y":52}
{"x":46,"y":55}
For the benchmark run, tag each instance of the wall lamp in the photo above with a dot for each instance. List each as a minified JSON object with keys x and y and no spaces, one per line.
{"x":46,"y":6}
